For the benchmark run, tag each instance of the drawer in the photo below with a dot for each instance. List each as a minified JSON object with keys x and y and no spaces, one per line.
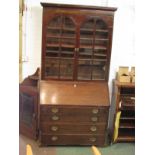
{"x":72,"y":114}
{"x":74,"y":118}
{"x":67,"y":128}
{"x":82,"y":139}
{"x":86,"y":110}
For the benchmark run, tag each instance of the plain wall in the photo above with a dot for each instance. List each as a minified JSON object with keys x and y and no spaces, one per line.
{"x":122,"y":54}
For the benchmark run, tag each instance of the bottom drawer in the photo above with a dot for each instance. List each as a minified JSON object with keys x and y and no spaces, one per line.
{"x":72,"y":139}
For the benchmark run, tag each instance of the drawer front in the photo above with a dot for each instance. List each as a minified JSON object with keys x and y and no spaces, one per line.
{"x":50,"y":109}
{"x":72,"y":139}
{"x":75,"y":118}
{"x":70,"y":114}
{"x":64,"y":128}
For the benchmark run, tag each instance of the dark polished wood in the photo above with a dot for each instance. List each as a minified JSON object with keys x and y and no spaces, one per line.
{"x":28,"y":106}
{"x":65,"y":128}
{"x":74,"y":93}
{"x":86,"y":103}
{"x":54,"y":5}
{"x":76,"y":42}
{"x":71,"y":139}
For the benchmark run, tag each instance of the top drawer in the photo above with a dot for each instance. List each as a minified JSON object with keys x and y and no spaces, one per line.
{"x":87,"y":110}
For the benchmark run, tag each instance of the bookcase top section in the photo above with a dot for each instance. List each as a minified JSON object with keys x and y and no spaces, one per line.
{"x":74,"y":93}
{"x":71,"y":6}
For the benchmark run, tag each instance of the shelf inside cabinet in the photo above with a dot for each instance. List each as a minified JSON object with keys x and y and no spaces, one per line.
{"x":60,"y":45}
{"x":91,"y":46}
{"x":126,"y":132}
{"x":60,"y":28}
{"x":126,"y":125}
{"x":91,"y":29}
{"x":126,"y":139}
{"x":59,"y":36}
{"x":127,"y":118}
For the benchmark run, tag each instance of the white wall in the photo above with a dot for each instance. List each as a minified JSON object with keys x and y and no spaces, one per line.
{"x":123,"y":53}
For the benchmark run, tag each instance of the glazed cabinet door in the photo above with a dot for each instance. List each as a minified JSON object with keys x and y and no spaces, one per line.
{"x":28,"y":110}
{"x":93,"y":49}
{"x":60,"y":48}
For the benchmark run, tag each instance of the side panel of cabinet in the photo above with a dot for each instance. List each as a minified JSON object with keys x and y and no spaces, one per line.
{"x":28,"y":110}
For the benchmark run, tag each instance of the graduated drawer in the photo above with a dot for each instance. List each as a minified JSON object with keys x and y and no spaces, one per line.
{"x":83,"y":139}
{"x":66,"y":128}
{"x":74,"y":113}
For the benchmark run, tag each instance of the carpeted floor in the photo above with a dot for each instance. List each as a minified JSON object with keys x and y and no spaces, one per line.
{"x":115,"y":149}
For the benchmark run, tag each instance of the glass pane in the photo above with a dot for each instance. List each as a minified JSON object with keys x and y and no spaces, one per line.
{"x":85,"y":53}
{"x":27,"y":108}
{"x":68,"y":23}
{"x":52,"y":40}
{"x":100,"y":54}
{"x":66,"y":68}
{"x":84,"y":70}
{"x":86,"y":34}
{"x":56,"y":22}
{"x":53,"y":32}
{"x":68,"y":33}
{"x":67,"y":52}
{"x":101,"y":42}
{"x":52,"y":67}
{"x":100,"y":24}
{"x":68,"y":42}
{"x":98,"y":70}
{"x":86,"y":41}
{"x":89,"y":24}
{"x":52,"y":52}
{"x":60,"y":47}
{"x":100,"y":34}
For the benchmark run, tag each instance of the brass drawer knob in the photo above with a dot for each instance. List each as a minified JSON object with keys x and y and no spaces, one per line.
{"x":93,"y":128}
{"x":55,"y":118}
{"x":95,"y":111}
{"x":54,"y":138}
{"x":94,"y":119}
{"x":92,"y":139}
{"x":54,"y":110}
{"x":54,"y":128}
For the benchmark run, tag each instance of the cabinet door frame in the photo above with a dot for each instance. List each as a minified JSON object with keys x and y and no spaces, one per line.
{"x":30,"y":131}
{"x":78,"y":20}
{"x":59,"y":58}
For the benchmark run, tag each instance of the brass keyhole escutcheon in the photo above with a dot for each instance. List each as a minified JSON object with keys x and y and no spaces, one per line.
{"x":54,"y":110}
{"x":94,"y":119}
{"x":54,"y":138}
{"x":95,"y":111}
{"x":54,"y":128}
{"x":93,"y":128}
{"x":92,"y":139}
{"x":55,"y":118}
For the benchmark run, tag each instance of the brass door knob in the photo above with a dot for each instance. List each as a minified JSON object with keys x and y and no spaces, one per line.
{"x":93,"y":128}
{"x":95,"y":111}
{"x":55,"y":118}
{"x":54,"y":138}
{"x":54,"y":128}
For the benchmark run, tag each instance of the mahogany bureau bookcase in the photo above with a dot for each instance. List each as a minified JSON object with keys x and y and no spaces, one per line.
{"x":73,"y":103}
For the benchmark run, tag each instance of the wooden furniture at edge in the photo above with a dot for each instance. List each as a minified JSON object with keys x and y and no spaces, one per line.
{"x":124,"y":100}
{"x":73,"y":106}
